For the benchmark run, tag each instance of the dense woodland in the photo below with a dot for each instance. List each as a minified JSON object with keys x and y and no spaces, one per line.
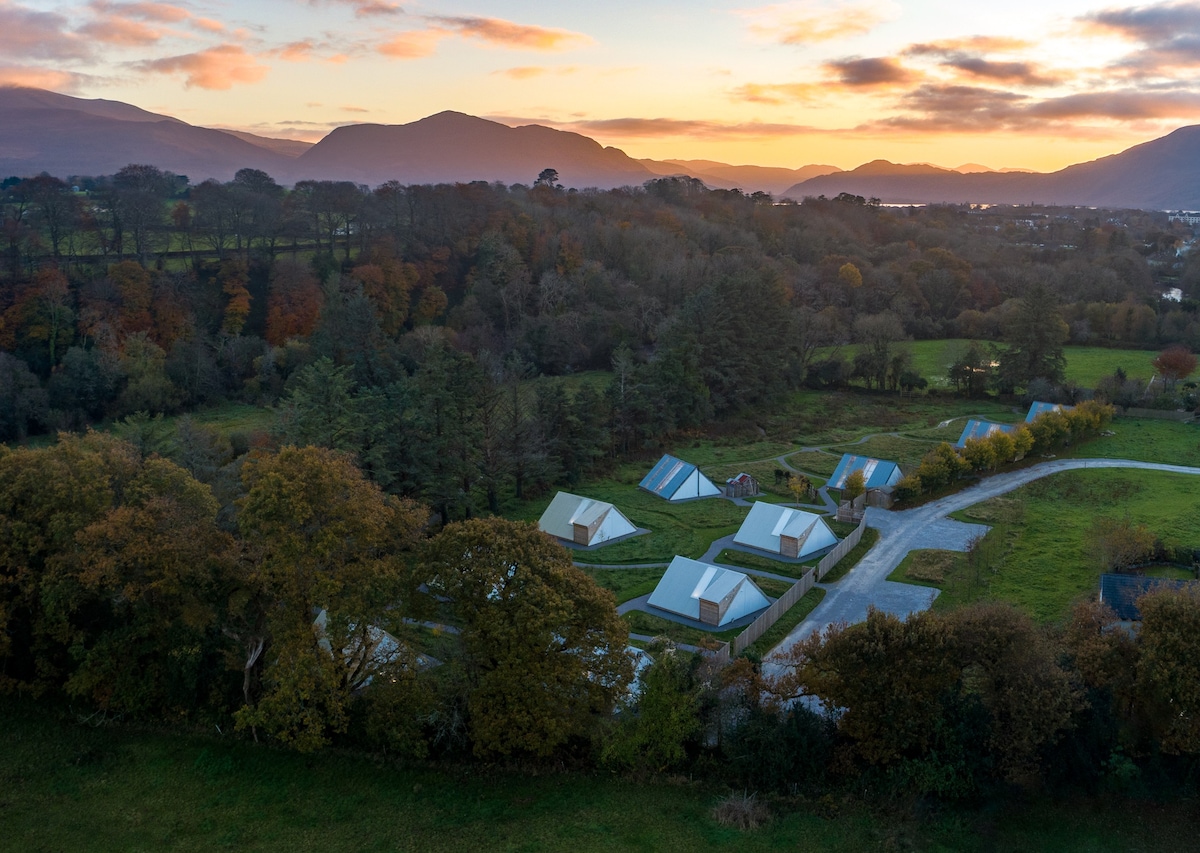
{"x":398,"y":332}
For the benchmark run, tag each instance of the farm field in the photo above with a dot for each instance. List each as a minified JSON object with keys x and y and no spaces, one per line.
{"x":74,"y":787}
{"x":1037,"y":554}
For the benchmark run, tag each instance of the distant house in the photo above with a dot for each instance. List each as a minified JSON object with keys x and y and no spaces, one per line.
{"x":584,"y":521}
{"x":1121,"y":592}
{"x":784,"y":531}
{"x":677,"y":480}
{"x":1041,"y":409}
{"x":981,"y":429}
{"x":708,"y":594}
{"x":741,"y":486}
{"x":876,"y":472}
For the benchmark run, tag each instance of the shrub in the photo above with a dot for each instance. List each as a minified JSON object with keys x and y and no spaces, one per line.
{"x":742,"y":811}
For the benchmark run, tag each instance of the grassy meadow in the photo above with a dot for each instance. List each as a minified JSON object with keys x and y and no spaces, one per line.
{"x":1037,"y":555}
{"x":112,"y":788}
{"x":1085,"y":365}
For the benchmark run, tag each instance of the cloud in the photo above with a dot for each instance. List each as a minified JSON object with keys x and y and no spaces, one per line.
{"x":41,"y":78}
{"x":413,"y":44}
{"x":778,"y":93}
{"x":416,"y":44}
{"x":503,"y":33}
{"x":1154,"y":24}
{"x":354,"y":110}
{"x":366,"y":8}
{"x":692,"y":128}
{"x":111,"y":14}
{"x":970,"y":109}
{"x":219,"y":67}
{"x":29,"y":34}
{"x":527,"y":72}
{"x":122,"y":32}
{"x":809,"y":22}
{"x":870,"y":73}
{"x":964,"y":57}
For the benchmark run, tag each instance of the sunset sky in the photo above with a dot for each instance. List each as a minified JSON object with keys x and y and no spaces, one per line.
{"x":1015,"y":83}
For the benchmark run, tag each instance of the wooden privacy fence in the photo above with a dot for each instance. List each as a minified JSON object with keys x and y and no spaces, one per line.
{"x":785,"y":602}
{"x":844,"y":547}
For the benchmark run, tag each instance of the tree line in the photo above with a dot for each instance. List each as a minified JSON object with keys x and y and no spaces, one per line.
{"x":301,"y":618}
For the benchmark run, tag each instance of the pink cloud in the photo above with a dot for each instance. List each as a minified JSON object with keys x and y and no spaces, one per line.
{"x":30,"y":34}
{"x":508,"y":34}
{"x":219,"y":67}
{"x":40,"y":78}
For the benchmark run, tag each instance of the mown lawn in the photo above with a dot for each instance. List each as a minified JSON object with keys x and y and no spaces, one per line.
{"x":731,"y":557}
{"x":627,"y":583}
{"x":641,"y":622}
{"x":1038,"y":554}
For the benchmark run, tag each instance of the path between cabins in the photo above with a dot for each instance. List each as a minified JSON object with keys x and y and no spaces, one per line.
{"x":922,"y":527}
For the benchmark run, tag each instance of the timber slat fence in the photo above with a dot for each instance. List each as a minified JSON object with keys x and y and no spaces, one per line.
{"x":785,"y":602}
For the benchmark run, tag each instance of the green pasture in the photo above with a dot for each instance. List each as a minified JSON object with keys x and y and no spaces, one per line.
{"x":908,"y":452}
{"x":1145,"y":440}
{"x":1085,"y":365}
{"x":105,"y":788}
{"x":818,"y":462}
{"x":1037,"y":555}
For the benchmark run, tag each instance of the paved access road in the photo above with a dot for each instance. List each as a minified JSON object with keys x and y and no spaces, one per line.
{"x":924,"y":527}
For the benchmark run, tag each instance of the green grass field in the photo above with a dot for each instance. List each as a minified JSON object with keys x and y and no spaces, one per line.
{"x":1037,"y":555}
{"x":1085,"y":365}
{"x":73,"y":787}
{"x":908,"y":452}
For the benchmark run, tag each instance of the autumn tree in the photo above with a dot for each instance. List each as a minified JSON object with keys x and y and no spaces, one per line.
{"x":856,"y":485}
{"x":543,"y":650}
{"x":1118,"y":544}
{"x":1168,"y":668}
{"x":322,"y":538}
{"x":889,"y":675}
{"x":1173,"y":364}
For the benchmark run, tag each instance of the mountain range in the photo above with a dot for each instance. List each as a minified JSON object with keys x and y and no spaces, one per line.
{"x":64,"y":135}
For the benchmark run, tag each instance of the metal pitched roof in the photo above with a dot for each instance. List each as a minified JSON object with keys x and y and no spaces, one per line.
{"x":667,"y":476}
{"x":567,"y":509}
{"x":876,"y":472}
{"x":766,"y":521}
{"x":687,"y":581}
{"x":981,"y":429}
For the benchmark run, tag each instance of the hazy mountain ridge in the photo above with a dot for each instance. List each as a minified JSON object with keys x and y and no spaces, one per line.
{"x":63,"y":135}
{"x":452,"y":146}
{"x":1163,"y":174}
